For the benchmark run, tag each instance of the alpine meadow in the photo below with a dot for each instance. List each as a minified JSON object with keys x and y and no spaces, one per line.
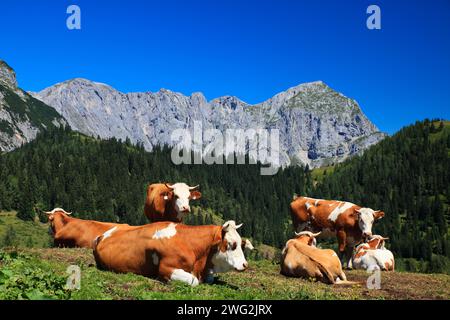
{"x":406,"y":175}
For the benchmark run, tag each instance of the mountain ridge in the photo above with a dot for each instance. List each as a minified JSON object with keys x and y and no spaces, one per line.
{"x":318,"y":125}
{"x":21,"y":115}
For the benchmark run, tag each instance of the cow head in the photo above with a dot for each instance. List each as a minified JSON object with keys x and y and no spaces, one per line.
{"x":55,"y":212}
{"x":229,"y":255}
{"x":307,"y":237}
{"x":51,"y":214}
{"x":377,"y":242}
{"x":180,"y":194}
{"x":366,"y":217}
{"x":247,"y":245}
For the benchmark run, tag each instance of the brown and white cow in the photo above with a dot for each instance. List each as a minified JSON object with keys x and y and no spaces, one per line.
{"x":171,"y":251}
{"x":72,"y":232}
{"x":373,"y":255}
{"x":166,"y":202}
{"x":300,"y":258}
{"x":349,"y":222}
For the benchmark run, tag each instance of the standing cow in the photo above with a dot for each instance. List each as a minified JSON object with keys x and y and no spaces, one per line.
{"x":349,"y":222}
{"x":167,"y":202}
{"x":300,"y":258}
{"x":75,"y":233}
{"x":171,"y":251}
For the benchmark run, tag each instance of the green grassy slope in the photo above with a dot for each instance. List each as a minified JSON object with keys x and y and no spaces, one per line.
{"x":38,"y":273}
{"x":261,"y":281}
{"x":25,"y":233}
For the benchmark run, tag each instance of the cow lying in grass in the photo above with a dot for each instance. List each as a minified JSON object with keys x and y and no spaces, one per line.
{"x":71,"y":232}
{"x":373,"y":255}
{"x":171,"y":251}
{"x":300,"y":258}
{"x":247,"y":245}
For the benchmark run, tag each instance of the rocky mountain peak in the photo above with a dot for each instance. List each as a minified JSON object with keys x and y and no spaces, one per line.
{"x":21,"y":115}
{"x":198,"y":99}
{"x":318,"y":125}
{"x":7,"y":75}
{"x":229,"y":102}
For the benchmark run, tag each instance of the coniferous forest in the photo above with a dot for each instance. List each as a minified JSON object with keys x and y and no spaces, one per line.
{"x":406,"y":175}
{"x":107,"y":181}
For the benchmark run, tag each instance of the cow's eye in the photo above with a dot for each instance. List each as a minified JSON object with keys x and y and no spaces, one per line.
{"x":234,"y":246}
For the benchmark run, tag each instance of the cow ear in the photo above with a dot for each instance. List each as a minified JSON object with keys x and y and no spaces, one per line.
{"x":167,"y":196}
{"x":378,"y":215}
{"x":357,"y":212}
{"x":195,"y":195}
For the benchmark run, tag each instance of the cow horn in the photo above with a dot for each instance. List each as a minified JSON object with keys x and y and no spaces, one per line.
{"x":193,"y":188}
{"x":169,"y":186}
{"x":230,"y":224}
{"x":308,"y":233}
{"x":238,"y":226}
{"x":56,"y":210}
{"x":385,"y":238}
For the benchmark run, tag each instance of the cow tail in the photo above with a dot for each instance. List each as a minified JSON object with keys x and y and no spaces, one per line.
{"x":96,"y":241}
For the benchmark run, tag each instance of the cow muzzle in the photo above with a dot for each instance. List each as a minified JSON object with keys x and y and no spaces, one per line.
{"x":243,"y":268}
{"x":186,"y":209}
{"x":367,"y":235}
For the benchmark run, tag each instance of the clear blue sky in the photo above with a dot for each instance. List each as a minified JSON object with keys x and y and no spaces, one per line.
{"x":252,"y":49}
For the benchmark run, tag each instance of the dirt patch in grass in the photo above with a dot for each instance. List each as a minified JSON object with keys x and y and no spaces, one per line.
{"x":400,"y":285}
{"x":66,"y":256}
